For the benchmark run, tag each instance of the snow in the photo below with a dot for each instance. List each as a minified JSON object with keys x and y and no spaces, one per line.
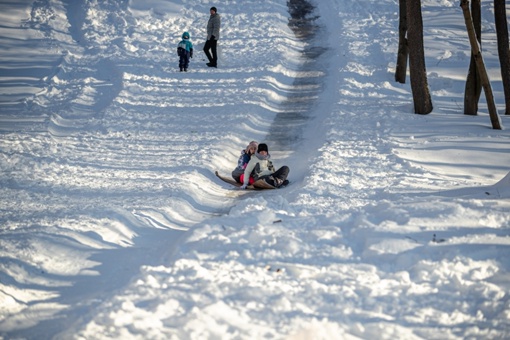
{"x":114,"y":226}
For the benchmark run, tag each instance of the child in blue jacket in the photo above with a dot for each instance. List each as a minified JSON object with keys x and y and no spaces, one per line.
{"x":244,"y":159}
{"x":185,"y":52}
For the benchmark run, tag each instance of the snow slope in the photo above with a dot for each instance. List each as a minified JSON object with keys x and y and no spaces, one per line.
{"x":113,"y":224}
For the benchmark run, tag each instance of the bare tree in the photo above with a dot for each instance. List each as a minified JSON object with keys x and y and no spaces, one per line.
{"x":473,"y":88}
{"x":418,"y":72}
{"x":403,"y":51}
{"x":482,"y":72}
{"x":503,"y":48}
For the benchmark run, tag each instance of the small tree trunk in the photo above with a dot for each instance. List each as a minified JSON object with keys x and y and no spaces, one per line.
{"x":473,"y":88}
{"x":403,"y":50}
{"x":475,"y":49}
{"x":503,"y":48}
{"x":418,"y":72}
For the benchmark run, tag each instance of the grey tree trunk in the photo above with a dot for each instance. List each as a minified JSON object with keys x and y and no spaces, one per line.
{"x":403,"y":51}
{"x":503,"y":48}
{"x":475,"y":49}
{"x":473,"y":88}
{"x":418,"y":72}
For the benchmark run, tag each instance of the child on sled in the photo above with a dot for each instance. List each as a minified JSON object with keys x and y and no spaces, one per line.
{"x":261,"y":167}
{"x":238,"y":173}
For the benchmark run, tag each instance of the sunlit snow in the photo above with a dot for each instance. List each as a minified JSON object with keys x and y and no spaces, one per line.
{"x":114,"y":226}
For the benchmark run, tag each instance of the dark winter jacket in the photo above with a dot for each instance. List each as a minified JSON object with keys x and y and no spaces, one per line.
{"x":242,"y":162}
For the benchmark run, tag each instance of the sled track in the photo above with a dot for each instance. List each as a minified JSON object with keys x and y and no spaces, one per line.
{"x":286,"y":132}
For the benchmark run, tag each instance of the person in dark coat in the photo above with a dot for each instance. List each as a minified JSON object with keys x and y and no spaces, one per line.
{"x":185,"y":51}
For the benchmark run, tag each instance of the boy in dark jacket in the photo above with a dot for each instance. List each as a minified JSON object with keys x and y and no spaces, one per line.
{"x":185,"y":52}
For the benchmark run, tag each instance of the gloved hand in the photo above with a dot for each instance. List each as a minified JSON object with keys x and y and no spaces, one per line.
{"x":242,"y":187}
{"x":212,"y":37}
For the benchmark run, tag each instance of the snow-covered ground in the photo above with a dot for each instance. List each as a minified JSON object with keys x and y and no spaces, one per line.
{"x":113,"y":224}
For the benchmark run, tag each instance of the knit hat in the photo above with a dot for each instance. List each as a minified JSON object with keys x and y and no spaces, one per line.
{"x":185,"y":35}
{"x":252,"y":144}
{"x":213,"y":9}
{"x":262,"y":147}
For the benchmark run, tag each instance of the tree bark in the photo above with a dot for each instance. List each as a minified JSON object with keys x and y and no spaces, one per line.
{"x":473,"y":88}
{"x":418,"y":72}
{"x":403,"y":50}
{"x":503,"y":48}
{"x":475,"y":49}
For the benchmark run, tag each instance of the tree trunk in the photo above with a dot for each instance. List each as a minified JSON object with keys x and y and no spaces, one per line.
{"x":403,"y":51}
{"x":475,"y":49}
{"x":473,"y":88}
{"x":503,"y":48}
{"x":418,"y":72}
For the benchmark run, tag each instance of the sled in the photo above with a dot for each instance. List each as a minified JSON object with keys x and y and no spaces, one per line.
{"x":258,"y":185}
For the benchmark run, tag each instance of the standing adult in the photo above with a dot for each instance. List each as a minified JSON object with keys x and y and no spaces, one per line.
{"x":213,"y":34}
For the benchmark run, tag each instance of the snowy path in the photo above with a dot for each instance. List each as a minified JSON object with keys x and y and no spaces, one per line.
{"x":119,"y":183}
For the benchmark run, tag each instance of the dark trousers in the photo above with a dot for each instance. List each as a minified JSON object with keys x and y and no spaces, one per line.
{"x":279,"y":176}
{"x":184,"y":60}
{"x":211,"y":45}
